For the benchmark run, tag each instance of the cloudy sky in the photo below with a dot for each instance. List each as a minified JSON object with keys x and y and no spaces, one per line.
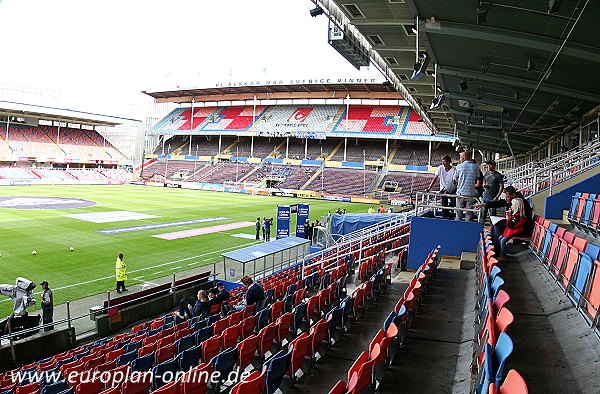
{"x":98,"y":55}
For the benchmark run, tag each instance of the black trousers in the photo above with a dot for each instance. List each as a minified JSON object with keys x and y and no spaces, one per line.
{"x":120,"y":285}
{"x":47,"y":318}
{"x":497,"y":230}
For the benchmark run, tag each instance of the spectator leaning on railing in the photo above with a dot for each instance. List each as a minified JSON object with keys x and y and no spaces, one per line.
{"x":467,"y":182}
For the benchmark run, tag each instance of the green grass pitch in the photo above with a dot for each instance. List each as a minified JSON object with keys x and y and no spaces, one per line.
{"x":51,"y":234}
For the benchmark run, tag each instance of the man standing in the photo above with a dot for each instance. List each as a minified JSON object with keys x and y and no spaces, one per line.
{"x":254,"y":293}
{"x":258,"y":225}
{"x":445,"y":173}
{"x":493,"y":185}
{"x":121,"y":273}
{"x":47,"y":305}
{"x":466,"y":185}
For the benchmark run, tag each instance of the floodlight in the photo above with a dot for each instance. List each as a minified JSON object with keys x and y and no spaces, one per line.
{"x":316,"y":11}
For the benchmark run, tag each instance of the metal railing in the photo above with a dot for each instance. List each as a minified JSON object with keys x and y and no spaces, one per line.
{"x":536,"y":176}
{"x":431,"y":201}
{"x":11,"y":337}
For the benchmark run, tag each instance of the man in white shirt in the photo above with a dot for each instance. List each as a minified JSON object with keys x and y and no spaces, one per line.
{"x":445,"y":173}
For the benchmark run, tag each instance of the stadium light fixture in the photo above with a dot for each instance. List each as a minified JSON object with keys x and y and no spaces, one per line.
{"x":463,"y":86}
{"x":420,"y":66}
{"x":481,"y":15}
{"x":437,"y":102}
{"x":554,"y":6}
{"x":386,"y":83}
{"x":316,"y":11}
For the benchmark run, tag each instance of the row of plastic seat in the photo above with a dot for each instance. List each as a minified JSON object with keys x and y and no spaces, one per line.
{"x":584,"y":212}
{"x":491,"y":344}
{"x":369,"y":368}
{"x":574,"y":263}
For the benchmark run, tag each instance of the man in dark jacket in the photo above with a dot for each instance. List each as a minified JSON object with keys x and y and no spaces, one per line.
{"x":510,"y":193}
{"x":222,"y":295}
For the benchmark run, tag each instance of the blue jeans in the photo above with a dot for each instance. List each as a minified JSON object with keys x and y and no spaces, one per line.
{"x":484,"y":210}
{"x":502,"y":241}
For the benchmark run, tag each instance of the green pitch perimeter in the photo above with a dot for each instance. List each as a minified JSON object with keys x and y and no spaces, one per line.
{"x":51,"y":234}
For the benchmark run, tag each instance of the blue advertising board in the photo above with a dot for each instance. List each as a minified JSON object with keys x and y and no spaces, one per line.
{"x":303,"y":216}
{"x":283,"y":221}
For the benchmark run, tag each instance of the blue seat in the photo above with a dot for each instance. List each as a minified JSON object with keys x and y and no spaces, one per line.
{"x":276,"y":367}
{"x":185,"y":343}
{"x":224,"y":362}
{"x":264,"y":317}
{"x":154,"y":332}
{"x":574,"y":203}
{"x":291,"y":289}
{"x":299,"y":315}
{"x":503,"y":349}
{"x":168,"y":319}
{"x":587,"y":211}
{"x":126,"y":358}
{"x":547,"y":242}
{"x":593,"y":251}
{"x":309,"y":283}
{"x":348,"y":308}
{"x":494,"y":272}
{"x":122,"y":344}
{"x":334,"y":316}
{"x":55,"y":388}
{"x":496,"y":284}
{"x":160,"y":369}
{"x":82,"y":354}
{"x":197,"y":326}
{"x":133,"y":346}
{"x":144,"y":363}
{"x":188,"y":358}
{"x":325,"y":280}
{"x":212,"y":319}
{"x":580,"y":276}
{"x":269,"y":296}
{"x":59,"y":363}
{"x":203,"y":334}
{"x":389,"y":320}
{"x":486,"y":376}
{"x":288,"y":302}
{"x":50,"y":377}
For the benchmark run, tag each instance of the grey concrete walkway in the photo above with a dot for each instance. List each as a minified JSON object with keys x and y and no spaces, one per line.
{"x":555,"y":350}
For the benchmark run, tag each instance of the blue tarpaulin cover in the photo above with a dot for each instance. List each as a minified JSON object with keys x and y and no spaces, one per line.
{"x":342,"y":224}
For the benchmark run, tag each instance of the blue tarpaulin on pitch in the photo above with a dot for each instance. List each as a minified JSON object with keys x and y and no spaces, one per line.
{"x":342,"y":224}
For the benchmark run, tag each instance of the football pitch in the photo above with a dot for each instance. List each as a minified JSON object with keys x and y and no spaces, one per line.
{"x":90,"y":268}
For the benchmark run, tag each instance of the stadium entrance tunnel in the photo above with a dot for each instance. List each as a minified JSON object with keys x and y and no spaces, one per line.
{"x":28,"y":202}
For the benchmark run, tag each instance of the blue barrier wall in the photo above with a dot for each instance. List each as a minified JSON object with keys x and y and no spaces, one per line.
{"x":556,"y":203}
{"x":453,"y":236}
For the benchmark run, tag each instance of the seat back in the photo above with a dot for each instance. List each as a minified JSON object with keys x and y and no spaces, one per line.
{"x":276,"y":368}
{"x":246,"y":351}
{"x":571,"y":261}
{"x":301,"y":347}
{"x":502,"y":350}
{"x":210,"y":348}
{"x":255,"y":383}
{"x":513,"y":384}
{"x":225,"y":361}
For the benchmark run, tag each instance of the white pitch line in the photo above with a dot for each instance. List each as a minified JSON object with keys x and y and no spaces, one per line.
{"x":138,"y":270}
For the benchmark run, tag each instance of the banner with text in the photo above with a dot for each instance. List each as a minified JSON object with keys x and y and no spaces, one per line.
{"x":283,"y":221}
{"x":303,"y":216}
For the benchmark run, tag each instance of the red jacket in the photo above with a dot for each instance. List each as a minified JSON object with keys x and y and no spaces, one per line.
{"x":517,"y":225}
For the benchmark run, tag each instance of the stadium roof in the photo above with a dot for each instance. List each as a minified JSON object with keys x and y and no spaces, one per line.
{"x":279,"y":91}
{"x":61,"y":114}
{"x":513,"y":68}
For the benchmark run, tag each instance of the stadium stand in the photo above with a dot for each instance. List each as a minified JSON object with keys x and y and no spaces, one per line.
{"x":343,"y":181}
{"x":407,"y":183}
{"x":16,"y":173}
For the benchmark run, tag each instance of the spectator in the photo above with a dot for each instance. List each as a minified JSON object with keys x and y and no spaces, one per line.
{"x":222,"y":294}
{"x":258,"y":226}
{"x":183,"y":313}
{"x":493,"y":184}
{"x":445,"y":173}
{"x":381,"y":209}
{"x":47,"y":305}
{"x":515,"y":224}
{"x":202,"y":307}
{"x":307,"y":229}
{"x":466,"y":182}
{"x":371,"y":209}
{"x":264,"y":228}
{"x":121,"y":273}
{"x":510,"y":194}
{"x":254,"y":292}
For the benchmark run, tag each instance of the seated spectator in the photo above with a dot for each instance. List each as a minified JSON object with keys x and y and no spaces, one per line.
{"x":202,"y":307}
{"x":510,"y":195}
{"x":222,"y":295}
{"x":515,"y":224}
{"x":254,"y":293}
{"x":183,"y":313}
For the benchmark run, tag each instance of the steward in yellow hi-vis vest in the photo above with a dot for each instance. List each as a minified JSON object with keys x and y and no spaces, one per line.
{"x":121,"y":273}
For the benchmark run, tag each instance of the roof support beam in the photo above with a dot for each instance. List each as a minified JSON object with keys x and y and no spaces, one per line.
{"x":382,"y":22}
{"x":506,"y":121}
{"x":507,"y":104}
{"x":520,"y":82}
{"x":526,"y":40}
{"x":494,"y":139}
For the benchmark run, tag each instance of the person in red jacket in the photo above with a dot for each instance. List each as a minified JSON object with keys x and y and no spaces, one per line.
{"x":515,"y":223}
